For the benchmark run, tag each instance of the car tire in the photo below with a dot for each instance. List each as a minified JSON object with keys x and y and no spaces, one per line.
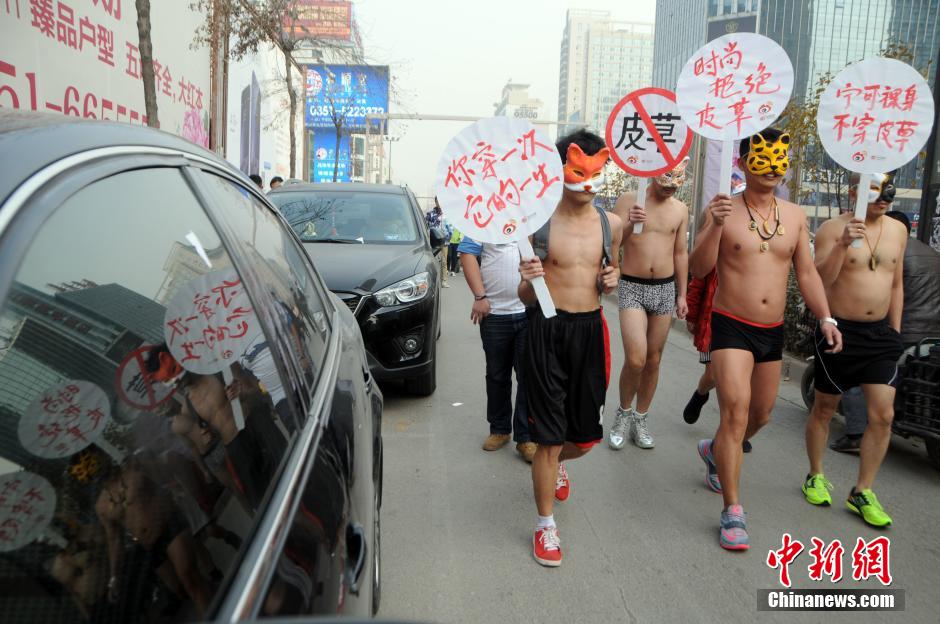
{"x":807,"y":385}
{"x":426,"y":384}
{"x":933,"y":452}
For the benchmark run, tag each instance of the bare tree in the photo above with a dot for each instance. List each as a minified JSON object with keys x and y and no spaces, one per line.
{"x":146,"y":62}
{"x":254,"y":25}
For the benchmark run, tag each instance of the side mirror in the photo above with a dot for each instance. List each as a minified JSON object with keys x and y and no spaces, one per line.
{"x":438,"y":238}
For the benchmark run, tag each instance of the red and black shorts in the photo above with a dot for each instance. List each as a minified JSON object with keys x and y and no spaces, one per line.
{"x":765,"y":342}
{"x":567,"y":368}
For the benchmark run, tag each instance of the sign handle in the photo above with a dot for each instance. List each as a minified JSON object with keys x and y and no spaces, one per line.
{"x":861,"y":202}
{"x":727,"y":155}
{"x":538,"y":284}
{"x":641,"y":184}
{"x":236,"y":404}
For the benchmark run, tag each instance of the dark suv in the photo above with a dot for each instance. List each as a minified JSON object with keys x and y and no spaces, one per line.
{"x":375,"y":253}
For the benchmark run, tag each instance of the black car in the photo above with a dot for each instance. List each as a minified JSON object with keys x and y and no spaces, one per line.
{"x":189,"y":430}
{"x":373,"y":249}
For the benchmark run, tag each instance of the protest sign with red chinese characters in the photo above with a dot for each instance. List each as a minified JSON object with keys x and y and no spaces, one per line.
{"x":27,"y":503}
{"x":733,"y":87}
{"x":65,"y":419}
{"x":500,"y":180}
{"x":134,"y":385}
{"x":874,"y":117}
{"x":210,"y":322}
{"x":647,"y":137}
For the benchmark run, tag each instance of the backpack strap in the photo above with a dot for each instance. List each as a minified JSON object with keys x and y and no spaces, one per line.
{"x":608,"y":238}
{"x":540,"y":238}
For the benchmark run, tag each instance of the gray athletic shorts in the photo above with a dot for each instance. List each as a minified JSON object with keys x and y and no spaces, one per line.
{"x":656,"y":296}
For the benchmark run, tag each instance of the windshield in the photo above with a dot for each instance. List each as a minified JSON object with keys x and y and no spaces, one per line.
{"x":324,"y":216}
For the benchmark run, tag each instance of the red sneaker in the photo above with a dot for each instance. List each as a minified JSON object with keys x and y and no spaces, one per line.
{"x":562,"y":484}
{"x":546,"y":547}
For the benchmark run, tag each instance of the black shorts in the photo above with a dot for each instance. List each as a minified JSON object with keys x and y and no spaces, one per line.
{"x":567,"y":360}
{"x":870,"y":352}
{"x":765,"y":342}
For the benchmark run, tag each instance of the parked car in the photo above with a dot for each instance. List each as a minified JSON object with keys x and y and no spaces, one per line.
{"x":371,"y":244}
{"x":190,"y":431}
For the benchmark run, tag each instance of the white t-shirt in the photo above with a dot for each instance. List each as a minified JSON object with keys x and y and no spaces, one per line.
{"x":499,"y":267}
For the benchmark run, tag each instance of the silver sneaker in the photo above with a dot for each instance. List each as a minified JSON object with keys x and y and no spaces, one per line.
{"x":618,"y":432}
{"x":639,"y":433}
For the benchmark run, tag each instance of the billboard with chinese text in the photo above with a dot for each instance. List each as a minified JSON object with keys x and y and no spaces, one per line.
{"x":321,"y":19}
{"x":324,"y":157}
{"x":81,"y":58}
{"x":348,"y":91}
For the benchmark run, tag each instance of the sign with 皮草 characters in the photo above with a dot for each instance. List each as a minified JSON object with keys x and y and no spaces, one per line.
{"x":647,"y":137}
{"x":874,"y":117}
{"x":500,"y":180}
{"x":65,"y":419}
{"x":734,"y":87}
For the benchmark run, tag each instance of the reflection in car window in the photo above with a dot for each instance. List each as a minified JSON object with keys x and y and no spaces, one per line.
{"x":138,"y":444}
{"x":378,"y":218}
{"x":284,"y":271}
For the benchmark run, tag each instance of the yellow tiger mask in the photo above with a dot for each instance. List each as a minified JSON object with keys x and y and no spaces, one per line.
{"x":764,"y":157}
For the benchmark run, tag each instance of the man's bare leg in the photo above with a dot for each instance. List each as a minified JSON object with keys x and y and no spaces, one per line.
{"x":765,"y":381}
{"x":880,"y":401}
{"x":706,"y":383}
{"x":733,"y":369}
{"x":633,"y":329}
{"x":544,"y":472}
{"x":817,"y":429}
{"x":656,"y":333}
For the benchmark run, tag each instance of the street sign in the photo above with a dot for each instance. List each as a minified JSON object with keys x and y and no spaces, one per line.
{"x":645,"y":133}
{"x":499,"y":180}
{"x":734,"y":87}
{"x":135,"y":387}
{"x":647,"y":137}
{"x":874,"y":117}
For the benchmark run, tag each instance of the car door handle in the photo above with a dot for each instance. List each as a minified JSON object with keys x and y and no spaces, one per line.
{"x":355,"y":553}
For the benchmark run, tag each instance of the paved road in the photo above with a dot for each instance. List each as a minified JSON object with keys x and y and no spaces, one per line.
{"x":639,"y":531}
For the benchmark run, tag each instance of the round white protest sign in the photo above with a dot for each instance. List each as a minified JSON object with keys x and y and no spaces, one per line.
{"x":210,"y":322}
{"x":27,"y":504}
{"x":499,"y":180}
{"x":734,"y":86}
{"x":645,"y":133}
{"x":64,"y":419}
{"x":875,"y":115}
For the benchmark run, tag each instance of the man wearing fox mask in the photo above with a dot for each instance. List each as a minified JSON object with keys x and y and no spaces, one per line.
{"x":654,"y":276}
{"x":567,"y":359}
{"x":752,"y":239}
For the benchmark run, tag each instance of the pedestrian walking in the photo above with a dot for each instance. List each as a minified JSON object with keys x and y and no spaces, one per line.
{"x":752,"y":239}
{"x":567,"y":356}
{"x":492,"y":273}
{"x":865,"y":289}
{"x":654,"y":273}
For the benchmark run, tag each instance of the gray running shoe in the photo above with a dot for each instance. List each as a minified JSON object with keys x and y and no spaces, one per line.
{"x":639,"y":432}
{"x":618,"y":432}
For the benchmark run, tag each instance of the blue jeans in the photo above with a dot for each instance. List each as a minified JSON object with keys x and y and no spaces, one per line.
{"x":504,"y":338}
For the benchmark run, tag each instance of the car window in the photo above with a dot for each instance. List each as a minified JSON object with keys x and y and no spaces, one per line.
{"x":138,"y":409}
{"x":283,"y":268}
{"x":350,"y":216}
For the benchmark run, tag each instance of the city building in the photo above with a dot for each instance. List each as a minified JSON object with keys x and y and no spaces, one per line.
{"x":515,"y":102}
{"x":601,"y":61}
{"x":820,"y":37}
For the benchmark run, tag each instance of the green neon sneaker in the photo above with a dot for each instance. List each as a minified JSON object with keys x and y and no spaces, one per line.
{"x":866,"y":504}
{"x":816,"y":490}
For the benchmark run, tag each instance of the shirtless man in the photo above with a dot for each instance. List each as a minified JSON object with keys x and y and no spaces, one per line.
{"x":865,"y":289}
{"x":752,"y":239}
{"x":566,"y":356}
{"x":654,"y":275}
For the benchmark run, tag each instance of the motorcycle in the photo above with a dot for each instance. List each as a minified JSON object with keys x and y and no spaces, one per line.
{"x":917,"y":401}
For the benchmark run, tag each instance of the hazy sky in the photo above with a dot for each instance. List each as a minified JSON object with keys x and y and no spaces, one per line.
{"x":454,"y":58}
